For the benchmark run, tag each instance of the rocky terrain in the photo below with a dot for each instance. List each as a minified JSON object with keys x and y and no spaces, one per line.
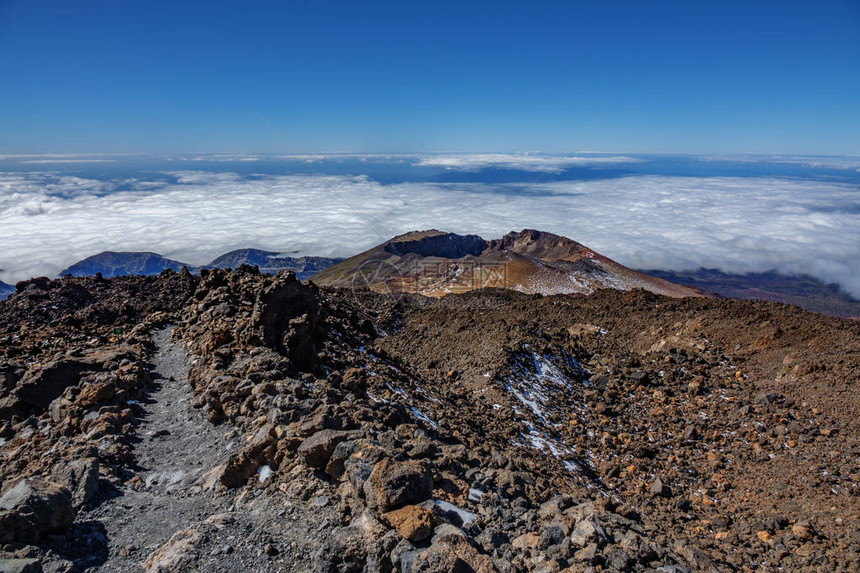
{"x":237,"y":421}
{"x":433,"y":263}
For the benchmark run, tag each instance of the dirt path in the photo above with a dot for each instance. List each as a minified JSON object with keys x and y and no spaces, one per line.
{"x":177,"y":445}
{"x":226,"y":532}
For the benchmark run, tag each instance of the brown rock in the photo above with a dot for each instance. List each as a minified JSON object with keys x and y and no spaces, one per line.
{"x":411,"y":522}
{"x":526,"y":541}
{"x":177,"y":555}
{"x":454,"y":554}
{"x":394,"y":484}
{"x":802,"y":532}
{"x":92,"y":394}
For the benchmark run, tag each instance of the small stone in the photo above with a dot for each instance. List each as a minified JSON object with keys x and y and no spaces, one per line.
{"x":526,"y":541}
{"x":763,"y":536}
{"x":659,"y":489}
{"x":802,"y":532}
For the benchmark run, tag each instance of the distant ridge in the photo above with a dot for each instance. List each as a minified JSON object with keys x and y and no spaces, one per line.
{"x":111,"y":264}
{"x":5,"y":290}
{"x":803,"y":290}
{"x":271,"y":263}
{"x":434,"y":246}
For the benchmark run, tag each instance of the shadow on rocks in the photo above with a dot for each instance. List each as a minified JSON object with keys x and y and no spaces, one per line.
{"x":83,"y":543}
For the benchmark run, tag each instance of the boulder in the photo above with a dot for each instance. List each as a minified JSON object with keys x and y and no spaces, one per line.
{"x":316,"y":451}
{"x":394,"y":484}
{"x":44,"y":505}
{"x":453,"y":554}
{"x":411,"y":522}
{"x":81,"y":478}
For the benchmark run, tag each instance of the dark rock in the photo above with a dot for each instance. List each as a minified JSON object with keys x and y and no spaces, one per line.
{"x":45,"y":505}
{"x":617,"y":559}
{"x":491,"y":539}
{"x":395,"y":484}
{"x":551,"y":535}
{"x":81,"y":478}
{"x":316,"y":451}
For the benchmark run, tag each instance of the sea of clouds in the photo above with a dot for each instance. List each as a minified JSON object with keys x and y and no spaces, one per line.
{"x":737,"y":224}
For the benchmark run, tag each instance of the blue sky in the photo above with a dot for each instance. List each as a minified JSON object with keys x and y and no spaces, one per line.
{"x":659,"y":76}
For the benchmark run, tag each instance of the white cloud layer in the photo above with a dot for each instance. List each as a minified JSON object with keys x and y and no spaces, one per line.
{"x":49,"y":221}
{"x":521,"y":162}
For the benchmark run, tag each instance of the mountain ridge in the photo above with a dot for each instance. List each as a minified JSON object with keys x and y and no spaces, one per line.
{"x":804,"y":291}
{"x":434,"y":263}
{"x":122,"y":263}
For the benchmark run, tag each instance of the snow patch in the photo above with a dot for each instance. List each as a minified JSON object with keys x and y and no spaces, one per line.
{"x":264,"y":473}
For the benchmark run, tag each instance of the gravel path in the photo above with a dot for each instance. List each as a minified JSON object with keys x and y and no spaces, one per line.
{"x":177,"y":445}
{"x":239,"y":530}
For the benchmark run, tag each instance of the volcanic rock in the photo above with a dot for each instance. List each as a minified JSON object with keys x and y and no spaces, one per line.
{"x":394,"y":484}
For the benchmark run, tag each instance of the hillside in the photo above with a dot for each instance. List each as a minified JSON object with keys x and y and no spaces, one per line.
{"x":110,"y":264}
{"x":300,"y":428}
{"x":433,"y":263}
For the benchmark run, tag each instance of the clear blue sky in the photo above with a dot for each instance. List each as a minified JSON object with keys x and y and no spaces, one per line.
{"x":777,"y":76}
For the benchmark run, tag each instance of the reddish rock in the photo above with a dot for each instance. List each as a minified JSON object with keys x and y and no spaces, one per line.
{"x":411,"y":522}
